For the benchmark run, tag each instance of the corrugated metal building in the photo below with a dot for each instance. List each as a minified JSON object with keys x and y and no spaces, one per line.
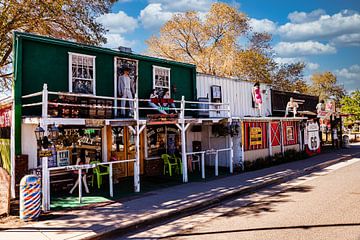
{"x":236,"y":92}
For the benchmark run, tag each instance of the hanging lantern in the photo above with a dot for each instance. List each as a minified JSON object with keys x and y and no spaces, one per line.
{"x":39,"y":134}
{"x":53,"y":132}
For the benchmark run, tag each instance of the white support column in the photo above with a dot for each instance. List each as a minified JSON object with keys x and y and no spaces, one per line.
{"x":137,"y":145}
{"x":242,"y":146}
{"x":269,"y":139}
{"x":183,"y":140}
{"x":111,"y":184}
{"x":203,"y":165}
{"x":282,"y":138}
{"x":300,"y":137}
{"x":231,"y":155}
{"x":80,"y":185}
{"x":217,"y":163}
{"x":44,"y":161}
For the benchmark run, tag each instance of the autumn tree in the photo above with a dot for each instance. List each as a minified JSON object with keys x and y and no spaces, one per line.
{"x":210,"y":43}
{"x":66,"y":19}
{"x":289,"y":77}
{"x":220,"y":43}
{"x":325,"y":86}
{"x":351,"y":105}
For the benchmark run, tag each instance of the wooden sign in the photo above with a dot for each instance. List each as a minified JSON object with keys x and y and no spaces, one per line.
{"x":45,"y":153}
{"x":4,"y":192}
{"x":94,"y":122}
{"x":157,"y":119}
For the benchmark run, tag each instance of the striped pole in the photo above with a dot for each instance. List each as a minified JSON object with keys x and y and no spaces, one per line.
{"x":30,"y":197}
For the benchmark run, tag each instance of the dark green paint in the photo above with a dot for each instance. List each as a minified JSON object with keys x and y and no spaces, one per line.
{"x":40,"y":60}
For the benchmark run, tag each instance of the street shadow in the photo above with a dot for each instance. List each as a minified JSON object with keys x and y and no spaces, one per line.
{"x":306,"y":227}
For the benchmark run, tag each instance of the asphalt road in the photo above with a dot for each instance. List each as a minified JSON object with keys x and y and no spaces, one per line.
{"x":322,"y":205}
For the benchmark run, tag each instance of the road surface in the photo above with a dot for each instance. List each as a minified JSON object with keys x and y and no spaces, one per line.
{"x":322,"y":205}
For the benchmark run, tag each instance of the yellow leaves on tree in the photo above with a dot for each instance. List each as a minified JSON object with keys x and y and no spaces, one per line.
{"x":210,"y":42}
{"x":325,"y":86}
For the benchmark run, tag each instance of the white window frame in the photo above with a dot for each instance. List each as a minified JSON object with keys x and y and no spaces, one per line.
{"x":71,"y":54}
{"x":163,"y":68}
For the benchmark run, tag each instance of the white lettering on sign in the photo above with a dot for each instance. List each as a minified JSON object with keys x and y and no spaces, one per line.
{"x":77,"y":167}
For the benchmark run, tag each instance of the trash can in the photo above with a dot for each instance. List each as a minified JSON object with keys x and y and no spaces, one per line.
{"x":346,"y":141}
{"x":30,"y":197}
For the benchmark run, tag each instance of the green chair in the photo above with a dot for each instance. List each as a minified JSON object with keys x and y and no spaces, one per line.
{"x":178,"y":160}
{"x":97,"y":171}
{"x":168,"y":164}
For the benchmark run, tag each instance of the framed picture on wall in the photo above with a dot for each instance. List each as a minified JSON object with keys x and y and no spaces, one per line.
{"x":216,"y":95}
{"x":290,"y":133}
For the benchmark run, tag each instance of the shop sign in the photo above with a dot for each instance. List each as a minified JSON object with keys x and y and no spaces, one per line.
{"x":156,"y":119}
{"x":94,"y":122}
{"x":45,"y":153}
{"x":311,"y":136}
{"x":63,"y":158}
{"x":255,"y":136}
{"x":5,"y":117}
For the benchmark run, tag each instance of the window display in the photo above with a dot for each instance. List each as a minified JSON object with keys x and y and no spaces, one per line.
{"x":82,"y":70}
{"x":161,"y":80}
{"x":72,"y":142}
{"x":163,"y":139}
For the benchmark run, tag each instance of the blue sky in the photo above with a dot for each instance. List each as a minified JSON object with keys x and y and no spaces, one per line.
{"x":325,"y":34}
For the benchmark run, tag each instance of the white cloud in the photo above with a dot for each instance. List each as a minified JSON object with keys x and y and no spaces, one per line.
{"x":302,"y":17}
{"x":314,"y":25}
{"x":289,"y":49}
{"x":347,"y":40}
{"x":183,"y":5}
{"x":153,"y":16}
{"x":263,"y":25}
{"x":287,"y":60}
{"x":118,"y":25}
{"x":312,"y":66}
{"x":118,"y":22}
{"x":350,"y":77}
{"x":116,"y":40}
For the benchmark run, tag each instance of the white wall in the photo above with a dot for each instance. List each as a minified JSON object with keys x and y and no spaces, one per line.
{"x":236,"y":92}
{"x":28,"y":143}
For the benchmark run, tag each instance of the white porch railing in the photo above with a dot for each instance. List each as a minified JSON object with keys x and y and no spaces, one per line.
{"x":79,"y":168}
{"x":184,"y":108}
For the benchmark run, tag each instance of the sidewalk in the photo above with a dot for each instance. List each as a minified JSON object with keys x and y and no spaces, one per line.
{"x":169,"y":202}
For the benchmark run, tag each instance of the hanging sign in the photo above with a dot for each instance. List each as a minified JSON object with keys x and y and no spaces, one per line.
{"x":156,"y":119}
{"x":94,"y":122}
{"x":255,"y":136}
{"x":45,"y":153}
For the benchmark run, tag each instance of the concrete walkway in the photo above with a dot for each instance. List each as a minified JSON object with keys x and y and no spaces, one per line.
{"x":153,"y":206}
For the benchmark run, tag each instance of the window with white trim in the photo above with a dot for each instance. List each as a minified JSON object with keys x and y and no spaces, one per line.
{"x":161,"y":80}
{"x":81,"y":73}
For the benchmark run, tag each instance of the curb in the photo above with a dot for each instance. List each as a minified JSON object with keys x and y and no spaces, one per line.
{"x":205,"y":202}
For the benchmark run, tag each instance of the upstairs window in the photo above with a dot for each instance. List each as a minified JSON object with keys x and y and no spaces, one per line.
{"x":81,"y":73}
{"x":161,"y":80}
